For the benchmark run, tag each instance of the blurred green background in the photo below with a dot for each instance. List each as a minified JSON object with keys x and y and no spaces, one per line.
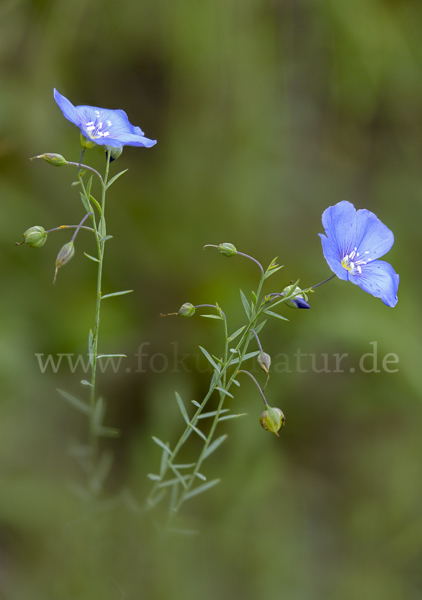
{"x":265,"y":112}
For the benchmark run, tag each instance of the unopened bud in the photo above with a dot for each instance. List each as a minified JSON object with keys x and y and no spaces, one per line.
{"x":186,"y":310}
{"x":264,"y":361}
{"x":114,"y":152}
{"x":227,"y":249}
{"x":35,"y":236}
{"x":57,"y":160}
{"x":272,"y":420}
{"x":86,"y":143}
{"x":63,"y":257}
{"x":299,"y":301}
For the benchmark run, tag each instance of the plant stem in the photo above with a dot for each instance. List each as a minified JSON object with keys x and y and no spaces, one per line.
{"x":95,"y":333}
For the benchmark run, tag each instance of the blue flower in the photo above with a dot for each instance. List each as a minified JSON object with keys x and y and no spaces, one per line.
{"x":103,"y":126}
{"x":354,"y":240}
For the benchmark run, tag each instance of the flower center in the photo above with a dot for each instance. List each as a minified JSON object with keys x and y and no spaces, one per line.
{"x":95,"y":128}
{"x":353,"y":262}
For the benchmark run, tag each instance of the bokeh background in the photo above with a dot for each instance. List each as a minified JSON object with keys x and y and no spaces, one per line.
{"x":265,"y":112}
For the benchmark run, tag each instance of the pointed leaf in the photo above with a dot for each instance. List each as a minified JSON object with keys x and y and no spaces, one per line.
{"x":258,"y":328}
{"x":85,"y":382}
{"x":107,"y":432}
{"x":91,"y":257}
{"x":212,"y":317}
{"x":225,"y":392}
{"x":225,"y":418}
{"x":273,"y":314}
{"x":216,"y":443}
{"x":198,"y":431}
{"x":154,"y":477}
{"x":162,"y":444}
{"x":170,"y":482}
{"x":116,"y":294}
{"x":110,"y":183}
{"x":213,"y":413}
{"x":235,"y":334}
{"x":202,"y":488}
{"x":182,"y":407}
{"x":201,"y":476}
{"x":99,"y":412}
{"x":207,"y":355}
{"x":246,"y":357}
{"x":245,"y":304}
{"x":269,"y":273}
{"x":196,"y":403}
{"x":164,"y":459}
{"x":91,"y":347}
{"x":78,"y":404}
{"x":85,"y":202}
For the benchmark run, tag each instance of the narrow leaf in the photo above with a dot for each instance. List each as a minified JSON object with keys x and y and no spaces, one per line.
{"x":99,"y":412}
{"x":202,"y":488}
{"x":258,"y":328}
{"x":91,"y":257}
{"x":162,"y":444}
{"x":154,"y":477}
{"x":170,"y":482}
{"x":107,"y":237}
{"x":92,"y":199}
{"x":245,"y":304}
{"x":201,"y":476}
{"x":176,"y":472}
{"x":253,"y":296}
{"x":236,"y":382}
{"x":225,"y":392}
{"x":273,"y":314}
{"x":185,"y":466}
{"x":249,"y":355}
{"x":212,"y":413}
{"x":107,"y":432}
{"x":112,"y":356}
{"x":164,"y":457}
{"x":85,"y":202}
{"x":212,"y":317}
{"x":197,"y":431}
{"x":235,"y":334}
{"x":196,"y":403}
{"x":91,"y":347}
{"x":89,"y":186}
{"x":214,"y":364}
{"x":225,"y":418}
{"x":110,"y":183}
{"x":85,"y":382}
{"x":274,"y":270}
{"x":182,"y":407}
{"x":116,"y":294}
{"x":216,"y":443}
{"x":78,"y":404}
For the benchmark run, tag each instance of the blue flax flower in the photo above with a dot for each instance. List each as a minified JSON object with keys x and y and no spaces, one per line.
{"x":354,"y":240}
{"x":103,"y":126}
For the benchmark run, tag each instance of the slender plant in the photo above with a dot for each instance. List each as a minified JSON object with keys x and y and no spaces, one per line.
{"x":110,"y":130}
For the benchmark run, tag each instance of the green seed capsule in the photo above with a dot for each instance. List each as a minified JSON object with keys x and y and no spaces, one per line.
{"x":35,"y":236}
{"x":272,"y":420}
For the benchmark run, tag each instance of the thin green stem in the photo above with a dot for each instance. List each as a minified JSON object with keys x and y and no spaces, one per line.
{"x":95,"y":333}
{"x":70,"y":227}
{"x":79,"y":165}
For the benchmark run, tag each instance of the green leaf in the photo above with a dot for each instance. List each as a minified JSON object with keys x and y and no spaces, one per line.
{"x":201,"y":476}
{"x":253,"y":296}
{"x":225,"y":418}
{"x":107,"y":432}
{"x":107,"y":237}
{"x":85,"y":202}
{"x":164,"y":457}
{"x":245,"y":304}
{"x":170,"y":482}
{"x":258,"y":328}
{"x":212,"y":447}
{"x":85,"y":382}
{"x":110,"y":183}
{"x":249,"y":355}
{"x":97,"y":204}
{"x":162,"y":444}
{"x":208,"y":356}
{"x":273,"y":314}
{"x":212,"y":317}
{"x":176,"y":472}
{"x":235,"y":334}
{"x":196,"y":430}
{"x":196,"y":403}
{"x":88,"y":187}
{"x":202,"y":488}
{"x":189,"y":466}
{"x":236,"y":382}
{"x":112,"y":356}
{"x":154,"y":477}
{"x":182,"y":407}
{"x":212,"y":413}
{"x":116,"y":294}
{"x":99,"y":412}
{"x":91,"y":257}
{"x":272,"y":272}
{"x":225,"y":392}
{"x":78,"y":404}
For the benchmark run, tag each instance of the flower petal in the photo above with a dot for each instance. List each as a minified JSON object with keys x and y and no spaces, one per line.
{"x":373,"y":238}
{"x":333,"y":258}
{"x":339,"y":222}
{"x":379,"y":279}
{"x":67,"y":108}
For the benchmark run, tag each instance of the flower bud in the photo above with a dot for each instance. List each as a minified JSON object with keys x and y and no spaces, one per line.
{"x":272,"y":420}
{"x":114,"y":152}
{"x":227,"y":249}
{"x":186,"y":310}
{"x":57,"y":160}
{"x":35,"y":236}
{"x":300,"y":301}
{"x":264,"y":361}
{"x":63,"y":257}
{"x":86,"y":143}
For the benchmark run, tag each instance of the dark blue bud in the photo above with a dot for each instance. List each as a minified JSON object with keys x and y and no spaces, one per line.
{"x":300,"y":303}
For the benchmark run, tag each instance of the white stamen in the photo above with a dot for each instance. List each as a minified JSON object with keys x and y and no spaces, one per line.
{"x":106,"y":133}
{"x":359,"y":269}
{"x":90,"y":128}
{"x":90,"y":123}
